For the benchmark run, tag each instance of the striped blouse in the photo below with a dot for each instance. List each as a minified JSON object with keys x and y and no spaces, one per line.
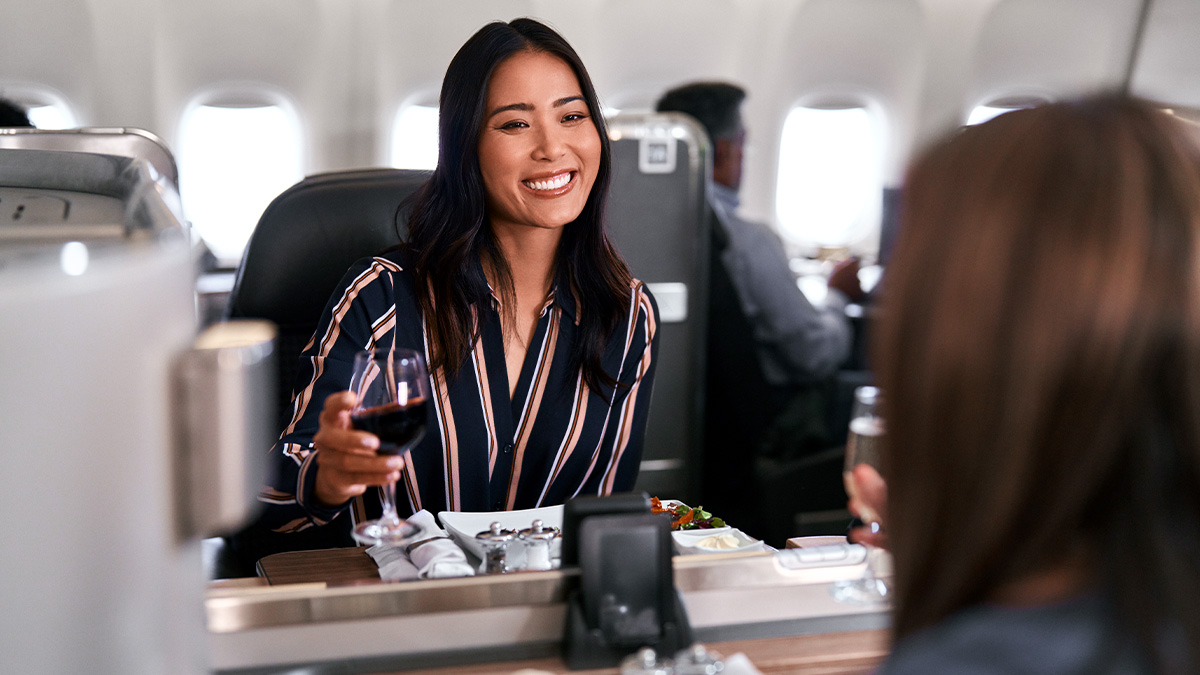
{"x":553,"y":440}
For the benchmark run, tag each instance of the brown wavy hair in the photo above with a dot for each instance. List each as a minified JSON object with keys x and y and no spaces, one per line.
{"x":1040,"y":347}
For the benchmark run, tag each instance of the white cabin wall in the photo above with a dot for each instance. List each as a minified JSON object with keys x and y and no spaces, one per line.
{"x":864,"y":52}
{"x":52,"y":45}
{"x":349,"y":67}
{"x":416,"y":40}
{"x":1053,"y":49}
{"x":292,"y":49}
{"x":1168,"y":67}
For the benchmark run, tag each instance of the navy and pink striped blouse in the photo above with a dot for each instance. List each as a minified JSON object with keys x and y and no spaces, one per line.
{"x":482,"y":451}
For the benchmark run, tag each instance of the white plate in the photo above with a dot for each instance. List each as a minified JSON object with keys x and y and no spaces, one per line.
{"x":464,"y":525}
{"x":689,"y":542}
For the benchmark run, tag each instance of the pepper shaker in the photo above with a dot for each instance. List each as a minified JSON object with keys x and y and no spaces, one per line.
{"x":646,"y":662}
{"x":696,"y":660}
{"x":537,"y":539}
{"x":495,"y":541}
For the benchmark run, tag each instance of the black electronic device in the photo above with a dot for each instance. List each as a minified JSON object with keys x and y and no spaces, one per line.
{"x":579,"y":508}
{"x":627,"y":597}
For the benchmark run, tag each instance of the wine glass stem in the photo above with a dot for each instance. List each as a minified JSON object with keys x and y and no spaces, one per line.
{"x":389,"y":515}
{"x":870,"y":574}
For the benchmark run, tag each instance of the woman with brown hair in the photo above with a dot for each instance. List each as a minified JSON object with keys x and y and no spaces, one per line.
{"x":1040,"y":350}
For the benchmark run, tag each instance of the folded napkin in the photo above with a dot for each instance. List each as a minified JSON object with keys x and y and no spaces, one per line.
{"x":739,"y":664}
{"x":428,"y":554}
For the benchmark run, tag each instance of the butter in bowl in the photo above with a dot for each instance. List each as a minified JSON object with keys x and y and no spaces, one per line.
{"x":715,"y":540}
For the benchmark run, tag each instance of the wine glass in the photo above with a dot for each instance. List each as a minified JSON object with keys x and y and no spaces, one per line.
{"x":863,"y":447}
{"x":392,"y":386}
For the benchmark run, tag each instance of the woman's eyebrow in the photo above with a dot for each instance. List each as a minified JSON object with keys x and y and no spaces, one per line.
{"x":527,"y":107}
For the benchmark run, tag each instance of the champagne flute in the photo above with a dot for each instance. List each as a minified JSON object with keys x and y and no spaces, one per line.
{"x":392,"y":386}
{"x":863,"y":447}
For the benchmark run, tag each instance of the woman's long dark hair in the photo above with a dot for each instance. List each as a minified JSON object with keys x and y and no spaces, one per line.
{"x":1040,"y":347}
{"x":448,"y":227}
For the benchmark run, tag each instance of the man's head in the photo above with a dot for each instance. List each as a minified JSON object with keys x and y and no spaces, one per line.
{"x":12,"y":115}
{"x":717,"y":106}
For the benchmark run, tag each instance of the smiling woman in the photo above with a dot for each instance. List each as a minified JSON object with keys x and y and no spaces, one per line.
{"x":542,"y":347}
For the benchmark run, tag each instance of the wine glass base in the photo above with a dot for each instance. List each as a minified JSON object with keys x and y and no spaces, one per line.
{"x":381,"y":532}
{"x":870,"y":590}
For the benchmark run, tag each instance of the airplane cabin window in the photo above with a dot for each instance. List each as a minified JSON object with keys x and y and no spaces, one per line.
{"x":233,"y":160}
{"x":51,"y":116}
{"x":415,"y":138}
{"x":45,"y":108}
{"x":830,"y":176}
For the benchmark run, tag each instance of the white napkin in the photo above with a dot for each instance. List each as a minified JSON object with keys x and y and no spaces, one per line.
{"x":739,"y":664}
{"x":433,"y":559}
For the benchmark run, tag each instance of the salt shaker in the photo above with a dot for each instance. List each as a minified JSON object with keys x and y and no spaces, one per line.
{"x":537,"y":539}
{"x":646,"y":662}
{"x":696,"y":660}
{"x":495,"y":541}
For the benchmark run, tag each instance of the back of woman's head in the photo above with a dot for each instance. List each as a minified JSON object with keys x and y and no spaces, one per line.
{"x":1041,"y":351}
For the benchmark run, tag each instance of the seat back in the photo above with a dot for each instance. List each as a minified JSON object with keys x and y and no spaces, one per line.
{"x":305,"y":241}
{"x":119,"y":142}
{"x":659,"y":220}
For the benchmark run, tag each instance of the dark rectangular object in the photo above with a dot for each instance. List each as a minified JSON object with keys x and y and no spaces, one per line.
{"x":579,"y":508}
{"x":627,"y":597}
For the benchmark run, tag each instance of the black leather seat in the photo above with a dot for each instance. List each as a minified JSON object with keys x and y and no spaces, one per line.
{"x":771,"y":451}
{"x":305,"y":241}
{"x":303,"y":244}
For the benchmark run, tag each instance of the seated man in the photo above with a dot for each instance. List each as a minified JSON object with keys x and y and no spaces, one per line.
{"x":772,"y":352}
{"x":797,"y":341}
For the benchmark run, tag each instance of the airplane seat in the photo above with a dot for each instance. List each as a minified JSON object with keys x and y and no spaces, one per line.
{"x":303,"y":244}
{"x":771,"y":451}
{"x":658,"y":218}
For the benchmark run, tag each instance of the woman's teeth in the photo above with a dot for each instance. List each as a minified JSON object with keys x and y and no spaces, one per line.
{"x":549,"y":184}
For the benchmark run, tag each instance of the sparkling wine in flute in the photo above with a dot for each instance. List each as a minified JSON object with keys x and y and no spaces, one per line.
{"x":862,"y":447}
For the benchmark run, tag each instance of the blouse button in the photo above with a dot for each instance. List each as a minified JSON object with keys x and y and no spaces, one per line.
{"x":508,"y":448}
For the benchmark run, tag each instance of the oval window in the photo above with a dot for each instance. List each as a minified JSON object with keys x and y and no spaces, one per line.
{"x":830,"y":176}
{"x":233,"y":160}
{"x":415,"y":138}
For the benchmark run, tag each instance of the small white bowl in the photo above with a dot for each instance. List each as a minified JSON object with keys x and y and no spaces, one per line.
{"x":688,"y":542}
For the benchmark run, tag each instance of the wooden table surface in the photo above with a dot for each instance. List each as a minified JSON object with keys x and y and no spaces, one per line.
{"x":850,"y":653}
{"x":334,"y":566}
{"x":846,"y":653}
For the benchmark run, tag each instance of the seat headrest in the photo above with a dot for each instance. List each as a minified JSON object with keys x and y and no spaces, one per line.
{"x":309,"y":236}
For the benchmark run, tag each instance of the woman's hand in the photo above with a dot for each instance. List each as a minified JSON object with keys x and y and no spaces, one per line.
{"x":347,"y":463}
{"x":869,"y":503}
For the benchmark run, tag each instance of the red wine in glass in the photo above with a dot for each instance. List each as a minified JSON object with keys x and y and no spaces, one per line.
{"x":392,"y":387}
{"x":397,"y":426}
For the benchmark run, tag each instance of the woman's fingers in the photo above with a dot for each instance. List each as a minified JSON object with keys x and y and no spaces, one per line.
{"x":870,"y":493}
{"x":870,"y":504}
{"x":356,"y":463}
{"x":335,"y":432}
{"x":872,"y":535}
{"x":337,"y":410}
{"x":347,"y":461}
